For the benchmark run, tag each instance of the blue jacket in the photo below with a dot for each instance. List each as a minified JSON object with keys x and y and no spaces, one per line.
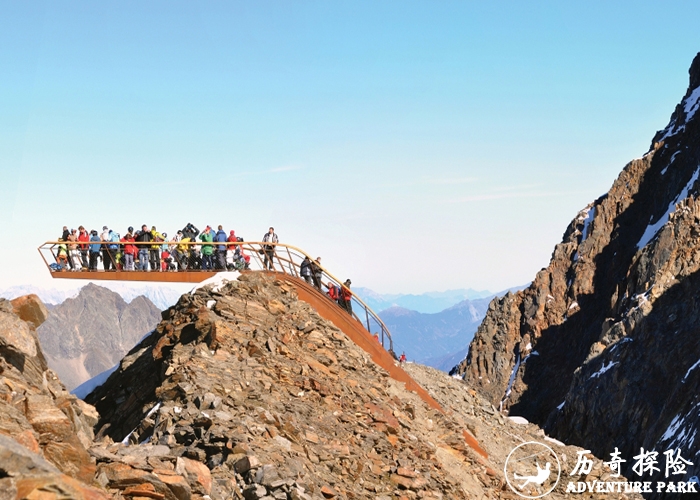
{"x":113,"y":238}
{"x":220,"y":238}
{"x":95,"y":248}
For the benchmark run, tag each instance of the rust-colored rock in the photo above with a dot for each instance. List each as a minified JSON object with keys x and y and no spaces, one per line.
{"x":30,"y":308}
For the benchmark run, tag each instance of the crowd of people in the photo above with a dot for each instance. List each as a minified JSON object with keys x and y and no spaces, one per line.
{"x":150,"y":250}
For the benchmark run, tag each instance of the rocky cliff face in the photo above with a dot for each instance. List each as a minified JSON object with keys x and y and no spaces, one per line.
{"x":90,"y":333}
{"x":603,"y":347}
{"x":44,"y":431}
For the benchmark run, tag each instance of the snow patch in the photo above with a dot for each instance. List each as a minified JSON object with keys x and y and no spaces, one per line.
{"x":652,"y":229}
{"x":554,"y":441}
{"x":561,"y":405}
{"x":587,"y":223}
{"x":210,"y":303}
{"x":690,"y":370}
{"x":620,"y":342}
{"x":518,"y":420}
{"x":691,"y":104}
{"x":88,"y":386}
{"x":604,"y":369}
{"x":670,"y":162}
{"x":155,"y":408}
{"x":218,"y":281}
{"x":573,"y":305}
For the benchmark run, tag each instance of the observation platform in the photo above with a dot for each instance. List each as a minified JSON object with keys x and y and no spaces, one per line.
{"x":184,"y":262}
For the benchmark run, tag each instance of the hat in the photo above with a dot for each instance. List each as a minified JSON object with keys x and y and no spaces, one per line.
{"x":232,"y":232}
{"x":104,"y":227}
{"x":165,"y":235}
{"x":153,"y":228}
{"x":131,"y":229}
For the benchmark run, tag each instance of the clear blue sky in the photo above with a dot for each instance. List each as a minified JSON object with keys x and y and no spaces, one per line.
{"x":416,"y":146}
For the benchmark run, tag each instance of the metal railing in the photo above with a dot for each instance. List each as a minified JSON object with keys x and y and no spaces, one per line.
{"x":93,"y":260}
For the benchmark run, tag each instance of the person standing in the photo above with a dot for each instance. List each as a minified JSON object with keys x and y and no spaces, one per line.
{"x":143,"y":237}
{"x":73,"y":251}
{"x":129,"y":250}
{"x":83,"y":237}
{"x":106,"y":261}
{"x":207,"y":248}
{"x":94,"y":250}
{"x":113,"y":248}
{"x":317,"y":273}
{"x":269,"y":250}
{"x":157,"y":238}
{"x":305,"y":270}
{"x":346,"y":296}
{"x":220,"y":237}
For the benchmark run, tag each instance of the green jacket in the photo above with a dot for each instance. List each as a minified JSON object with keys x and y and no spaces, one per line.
{"x":207,"y":248}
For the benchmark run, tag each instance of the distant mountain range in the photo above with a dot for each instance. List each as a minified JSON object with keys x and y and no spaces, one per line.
{"x":437,"y":339}
{"x":90,"y":333}
{"x":161,"y":296}
{"x":428,"y":303}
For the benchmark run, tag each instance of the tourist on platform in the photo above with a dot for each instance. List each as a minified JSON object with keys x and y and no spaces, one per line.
{"x":62,"y":254}
{"x":144,"y":236}
{"x":346,"y":296}
{"x":220,"y":237}
{"x":130,"y":250}
{"x":74,"y":251}
{"x":305,"y":270}
{"x":95,"y":247}
{"x":333,"y":292}
{"x":83,"y":237}
{"x":155,"y":249}
{"x":317,"y":273}
{"x":106,"y":261}
{"x":269,"y":250}
{"x":207,"y":248}
{"x":113,"y":248}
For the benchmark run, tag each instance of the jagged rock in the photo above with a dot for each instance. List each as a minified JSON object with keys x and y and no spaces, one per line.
{"x":612,"y":321}
{"x":30,"y":308}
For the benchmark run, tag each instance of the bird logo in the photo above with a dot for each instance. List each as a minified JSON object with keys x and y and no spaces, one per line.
{"x":524,"y":473}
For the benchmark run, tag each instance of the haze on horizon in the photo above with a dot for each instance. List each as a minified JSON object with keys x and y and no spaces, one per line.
{"x":416,"y":146}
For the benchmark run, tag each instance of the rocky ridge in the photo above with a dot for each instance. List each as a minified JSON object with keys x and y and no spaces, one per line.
{"x":44,"y":431}
{"x":243,"y":391}
{"x":602,"y":348}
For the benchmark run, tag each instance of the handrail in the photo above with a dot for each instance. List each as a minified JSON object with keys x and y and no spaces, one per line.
{"x":283,"y":257}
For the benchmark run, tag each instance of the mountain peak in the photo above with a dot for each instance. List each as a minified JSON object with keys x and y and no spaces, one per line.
{"x":604,"y":340}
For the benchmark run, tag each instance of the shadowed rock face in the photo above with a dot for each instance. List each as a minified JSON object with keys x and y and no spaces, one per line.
{"x":603,"y":346}
{"x":90,"y":333}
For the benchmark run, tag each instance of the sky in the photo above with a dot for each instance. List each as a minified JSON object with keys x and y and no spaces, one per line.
{"x":416,"y":146}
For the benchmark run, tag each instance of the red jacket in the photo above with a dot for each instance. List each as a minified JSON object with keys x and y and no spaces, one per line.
{"x":346,"y":293}
{"x":333,"y":293}
{"x":83,"y":237}
{"x":130,"y":249}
